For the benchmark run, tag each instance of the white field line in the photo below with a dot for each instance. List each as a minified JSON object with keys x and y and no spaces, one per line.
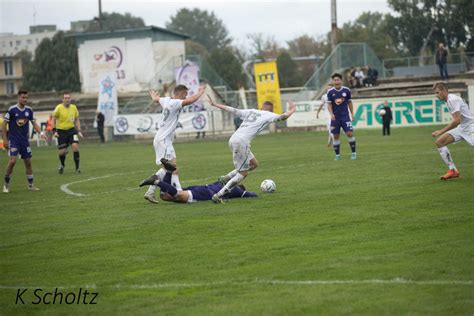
{"x":396,"y":281}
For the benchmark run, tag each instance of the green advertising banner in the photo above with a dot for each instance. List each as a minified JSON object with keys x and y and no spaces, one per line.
{"x":406,"y":111}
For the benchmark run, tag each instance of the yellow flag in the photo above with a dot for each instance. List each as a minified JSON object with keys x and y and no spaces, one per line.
{"x":268,"y":87}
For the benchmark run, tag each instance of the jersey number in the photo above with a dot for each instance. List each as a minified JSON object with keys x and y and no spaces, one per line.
{"x":166,"y":114}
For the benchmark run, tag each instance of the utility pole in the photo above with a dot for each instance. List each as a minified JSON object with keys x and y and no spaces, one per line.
{"x":100,"y":15}
{"x":333,"y":24}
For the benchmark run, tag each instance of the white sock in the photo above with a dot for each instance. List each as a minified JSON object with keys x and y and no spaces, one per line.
{"x":231,"y":184}
{"x":230,"y":175}
{"x":161,"y":174}
{"x":446,"y":155}
{"x":175,"y":182}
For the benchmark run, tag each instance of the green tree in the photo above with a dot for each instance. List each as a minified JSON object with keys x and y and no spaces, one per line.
{"x":370,"y":28}
{"x":423,"y":24}
{"x":26,"y":60}
{"x":288,"y":73}
{"x":116,"y":21}
{"x":228,"y":67}
{"x":264,"y":47}
{"x":202,"y":26}
{"x":55,"y":66}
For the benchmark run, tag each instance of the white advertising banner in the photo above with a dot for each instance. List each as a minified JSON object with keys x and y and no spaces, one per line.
{"x":188,"y":75}
{"x":305,"y":115}
{"x":406,"y":111}
{"x":107,"y":102}
{"x":139,"y":124}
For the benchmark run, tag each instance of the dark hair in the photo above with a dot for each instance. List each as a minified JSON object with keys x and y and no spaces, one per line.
{"x":440,"y":85}
{"x":268,"y":103}
{"x":336,"y":75}
{"x":180,"y":88}
{"x":20,"y":92}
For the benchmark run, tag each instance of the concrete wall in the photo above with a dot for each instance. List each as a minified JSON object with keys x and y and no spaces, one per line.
{"x":134,"y":62}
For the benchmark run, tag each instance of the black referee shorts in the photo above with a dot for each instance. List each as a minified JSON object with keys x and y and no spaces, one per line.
{"x":67,"y":137}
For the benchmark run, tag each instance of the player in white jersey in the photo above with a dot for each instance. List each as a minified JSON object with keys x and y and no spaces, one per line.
{"x":253,"y":122}
{"x":461,"y":127}
{"x":163,"y":142}
{"x":327,"y":115}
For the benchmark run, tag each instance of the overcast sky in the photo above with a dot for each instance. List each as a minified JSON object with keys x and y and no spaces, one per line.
{"x":282,"y":19}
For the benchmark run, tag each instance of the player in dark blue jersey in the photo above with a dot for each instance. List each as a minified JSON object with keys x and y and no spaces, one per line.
{"x":15,"y":138}
{"x":193,"y":193}
{"x":339,"y":104}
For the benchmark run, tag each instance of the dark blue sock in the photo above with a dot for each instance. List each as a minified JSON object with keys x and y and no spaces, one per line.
{"x":352,"y":143}
{"x":167,"y":188}
{"x":7,"y":179}
{"x":167,"y":177}
{"x":30,"y":179}
{"x":337,"y":147}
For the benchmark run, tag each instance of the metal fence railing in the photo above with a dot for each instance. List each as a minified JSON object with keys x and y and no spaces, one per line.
{"x":422,"y":66}
{"x":341,"y":59}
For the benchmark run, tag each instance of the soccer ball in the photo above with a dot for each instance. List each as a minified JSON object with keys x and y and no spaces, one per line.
{"x":382,"y":112}
{"x":268,"y":186}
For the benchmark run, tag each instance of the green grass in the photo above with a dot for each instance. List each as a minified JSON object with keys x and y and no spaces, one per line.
{"x":386,"y":216}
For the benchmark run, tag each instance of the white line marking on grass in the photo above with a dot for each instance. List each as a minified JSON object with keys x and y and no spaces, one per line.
{"x":396,"y":281}
{"x":65,"y":187}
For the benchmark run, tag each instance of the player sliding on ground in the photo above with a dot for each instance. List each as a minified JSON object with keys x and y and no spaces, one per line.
{"x":163,"y":142}
{"x":339,"y":104}
{"x":253,"y":122}
{"x":461,"y":127}
{"x":193,"y":193}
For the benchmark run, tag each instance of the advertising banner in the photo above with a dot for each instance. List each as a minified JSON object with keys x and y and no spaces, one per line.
{"x":267,"y":84}
{"x":139,"y":124}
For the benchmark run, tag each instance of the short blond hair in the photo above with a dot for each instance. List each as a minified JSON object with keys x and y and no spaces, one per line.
{"x":440,"y":85}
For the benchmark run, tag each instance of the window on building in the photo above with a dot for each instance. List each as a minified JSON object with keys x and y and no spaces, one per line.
{"x":11,"y":43}
{"x":10,"y":87}
{"x":18,"y":42}
{"x":28,"y":41}
{"x":8,"y":65}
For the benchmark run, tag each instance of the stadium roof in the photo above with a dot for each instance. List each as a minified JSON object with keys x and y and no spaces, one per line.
{"x":155,"y":32}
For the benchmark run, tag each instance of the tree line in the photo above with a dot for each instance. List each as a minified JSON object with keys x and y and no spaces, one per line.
{"x":415,"y":29}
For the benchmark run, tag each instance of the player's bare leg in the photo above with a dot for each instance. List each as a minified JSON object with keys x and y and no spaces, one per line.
{"x":29,"y":175}
{"x":442,"y":142}
{"x":8,"y":173}
{"x":224,"y":179}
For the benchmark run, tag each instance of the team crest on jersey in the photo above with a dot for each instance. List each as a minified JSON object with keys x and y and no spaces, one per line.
{"x":344,"y":94}
{"x":339,"y":101}
{"x":21,"y":122}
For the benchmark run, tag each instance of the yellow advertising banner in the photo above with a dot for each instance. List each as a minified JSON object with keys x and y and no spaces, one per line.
{"x":268,"y":87}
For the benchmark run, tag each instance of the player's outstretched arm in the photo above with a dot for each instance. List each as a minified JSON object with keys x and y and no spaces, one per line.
{"x":287,"y":114}
{"x":454,"y":123}
{"x":154,"y":95}
{"x":223,"y":107}
{"x":194,"y":98}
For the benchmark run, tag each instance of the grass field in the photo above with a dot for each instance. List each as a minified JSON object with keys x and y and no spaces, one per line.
{"x":380,"y":235}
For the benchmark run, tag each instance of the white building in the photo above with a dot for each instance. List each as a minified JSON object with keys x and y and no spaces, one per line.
{"x":139,"y":58}
{"x":11,"y":44}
